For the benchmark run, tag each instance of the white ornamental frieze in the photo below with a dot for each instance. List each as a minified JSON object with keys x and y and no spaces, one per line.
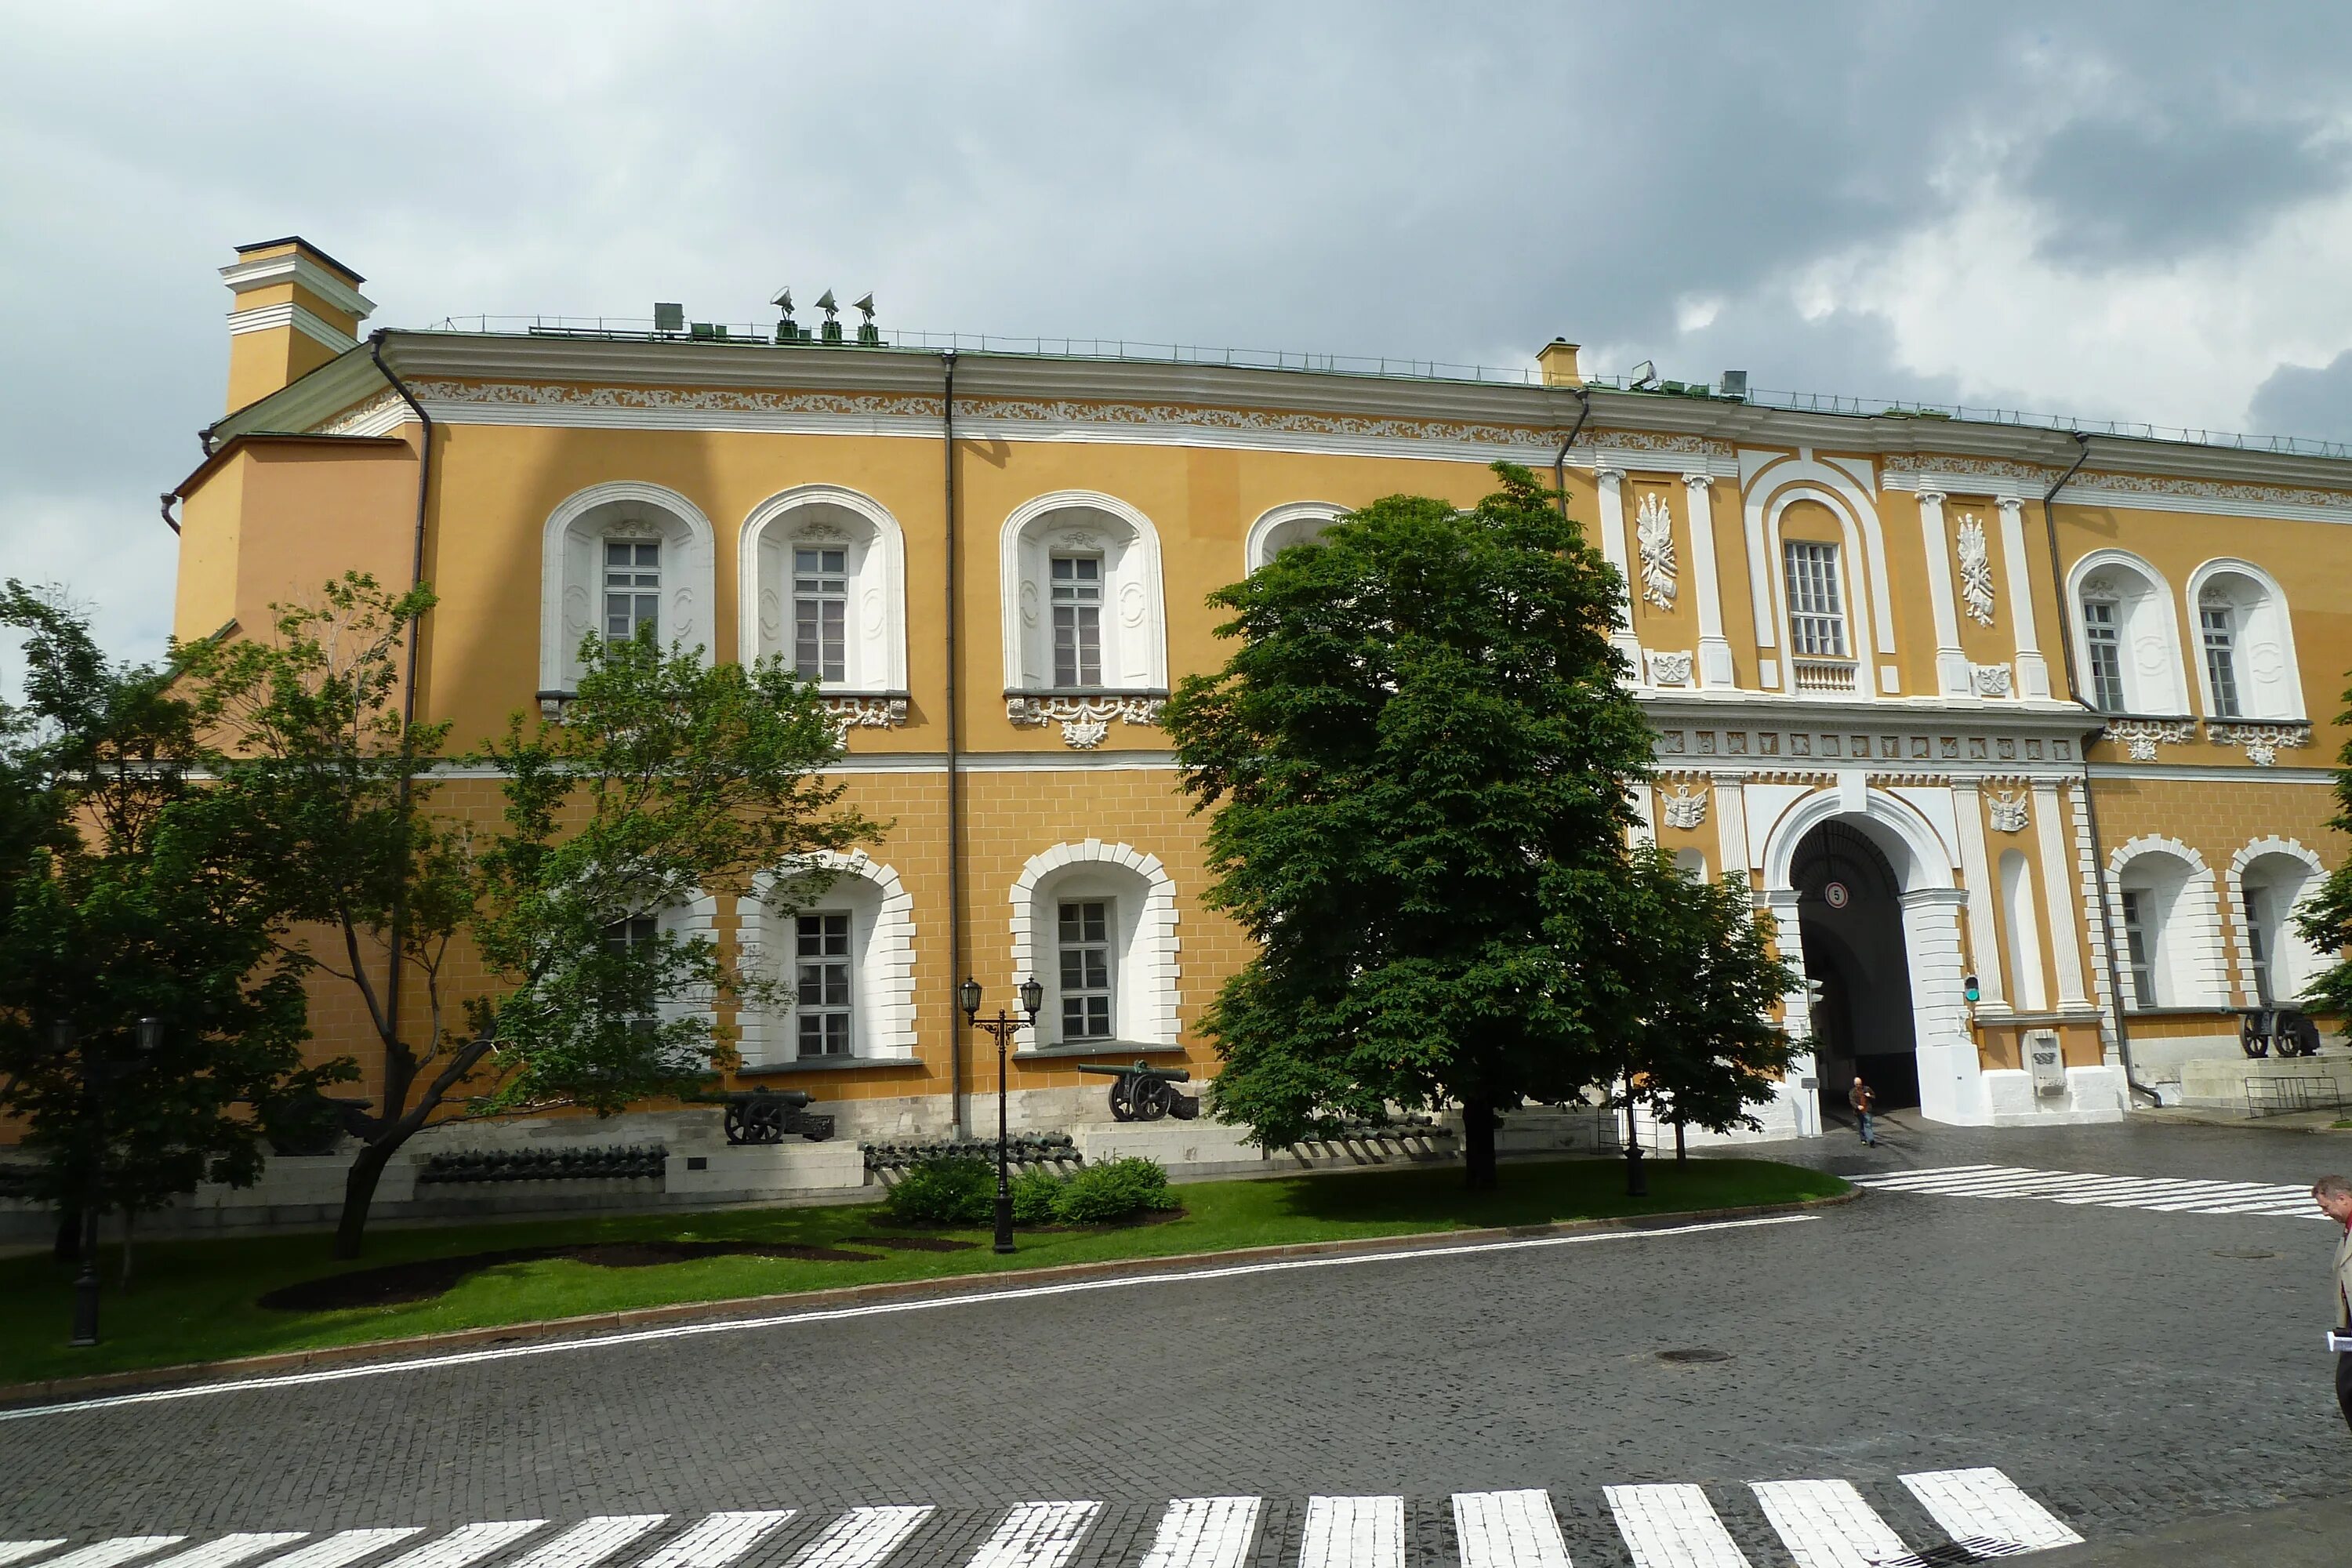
{"x":2140,"y":737}
{"x":1086,"y":721}
{"x":2262,"y":742}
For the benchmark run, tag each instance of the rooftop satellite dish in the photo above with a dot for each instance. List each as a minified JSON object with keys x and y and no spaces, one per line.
{"x":1645,"y":376}
{"x":866,"y":305}
{"x":784,"y":300}
{"x":825,"y":303}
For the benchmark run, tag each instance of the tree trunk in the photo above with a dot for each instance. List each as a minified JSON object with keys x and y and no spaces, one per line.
{"x":359,"y":1192}
{"x":67,"y":1247}
{"x":1478,"y":1144}
{"x":1681,"y":1151}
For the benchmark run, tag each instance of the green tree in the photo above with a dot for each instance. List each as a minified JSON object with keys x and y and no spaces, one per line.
{"x":2325,"y":919}
{"x":665,"y":776}
{"x":116,"y":905}
{"x":1419,"y":758}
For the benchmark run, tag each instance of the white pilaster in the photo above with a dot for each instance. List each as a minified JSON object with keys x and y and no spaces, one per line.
{"x":1951,"y":1077}
{"x":1730,"y":807}
{"x":1644,"y":798}
{"x":2033,"y":669}
{"x":1714,"y":649}
{"x":1778,"y":914}
{"x":1951,"y":663}
{"x":1976,"y":868}
{"x":1611,"y":483}
{"x":2057,"y":879}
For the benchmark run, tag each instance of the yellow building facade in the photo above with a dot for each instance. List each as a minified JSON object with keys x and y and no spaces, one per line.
{"x":1947,"y":723}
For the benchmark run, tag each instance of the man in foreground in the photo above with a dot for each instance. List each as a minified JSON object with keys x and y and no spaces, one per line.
{"x":2334,"y":1196}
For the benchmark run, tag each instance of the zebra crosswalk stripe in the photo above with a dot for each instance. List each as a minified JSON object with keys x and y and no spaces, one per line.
{"x":1909,"y":1180}
{"x":1036,"y":1535}
{"x":862,"y":1538}
{"x":1985,"y":1506}
{"x":17,"y":1551}
{"x":1203,"y":1532}
{"x":1508,"y":1530}
{"x":718,"y":1539}
{"x":1672,"y":1526}
{"x":109,"y":1553}
{"x":1353,"y":1532}
{"x":1826,"y":1524}
{"x":466,"y":1544}
{"x":230,"y":1550}
{"x":340,"y":1549}
{"x":2088,"y":1189}
{"x":591,"y":1540}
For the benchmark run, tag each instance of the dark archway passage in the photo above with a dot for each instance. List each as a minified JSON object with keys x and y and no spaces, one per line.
{"x":1850,"y":920}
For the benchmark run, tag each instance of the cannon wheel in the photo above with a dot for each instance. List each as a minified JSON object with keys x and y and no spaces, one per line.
{"x":1153,"y":1099}
{"x":1123,"y":1097}
{"x":2253,"y":1044}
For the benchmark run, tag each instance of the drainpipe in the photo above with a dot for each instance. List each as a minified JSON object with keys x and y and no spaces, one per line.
{"x":2090,"y":799}
{"x":408,"y":693}
{"x":955,"y":779}
{"x":169,"y":521}
{"x":1560,"y":458}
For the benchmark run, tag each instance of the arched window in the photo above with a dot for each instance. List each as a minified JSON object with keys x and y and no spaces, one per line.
{"x":2021,"y":923}
{"x":1095,"y":924}
{"x":1691,"y":863}
{"x":843,"y":957}
{"x":690,"y":916}
{"x":2168,"y":919}
{"x":826,"y":571}
{"x":1082,"y":597}
{"x":615,"y":558}
{"x":1297,"y":522}
{"x":2245,"y":647}
{"x":2124,"y":635}
{"x":2271,"y":879}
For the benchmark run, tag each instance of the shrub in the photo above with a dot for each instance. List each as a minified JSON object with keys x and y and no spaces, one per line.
{"x":1037,"y":1196}
{"x":952,"y":1189}
{"x":1117,"y":1190}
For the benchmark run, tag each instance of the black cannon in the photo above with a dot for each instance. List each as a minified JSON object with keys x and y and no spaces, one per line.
{"x":770,"y":1116}
{"x":1146,"y":1093}
{"x":2276,"y":1032}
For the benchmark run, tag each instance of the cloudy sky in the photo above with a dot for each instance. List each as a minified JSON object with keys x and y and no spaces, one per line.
{"x":2141,"y":211}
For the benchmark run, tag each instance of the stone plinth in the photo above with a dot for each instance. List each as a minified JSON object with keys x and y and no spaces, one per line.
{"x":2221,"y":1083}
{"x":793,"y":1168}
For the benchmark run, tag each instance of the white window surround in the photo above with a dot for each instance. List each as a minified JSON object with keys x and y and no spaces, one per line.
{"x":2181,"y":918}
{"x":1135,"y":641}
{"x":2022,"y":926}
{"x":2291,"y":873}
{"x":2147,"y":628}
{"x":2269,"y":687}
{"x":831,"y":517}
{"x":1143,"y":938}
{"x":881,"y":955}
{"x":1279,"y":527}
{"x":571,"y":571}
{"x":692,"y":914}
{"x":1861,"y":571}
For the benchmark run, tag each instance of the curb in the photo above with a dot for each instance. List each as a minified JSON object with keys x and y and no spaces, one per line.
{"x":140,"y":1379}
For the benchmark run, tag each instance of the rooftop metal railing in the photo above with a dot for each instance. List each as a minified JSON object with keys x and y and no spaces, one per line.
{"x":753,"y":333}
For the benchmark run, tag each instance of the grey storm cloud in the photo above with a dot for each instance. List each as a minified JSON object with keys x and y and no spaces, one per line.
{"x":1355,"y":178}
{"x":2305,"y":400}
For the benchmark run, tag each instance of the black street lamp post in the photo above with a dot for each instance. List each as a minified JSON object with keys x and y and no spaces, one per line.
{"x":1032,"y":996}
{"x":94,"y":1086}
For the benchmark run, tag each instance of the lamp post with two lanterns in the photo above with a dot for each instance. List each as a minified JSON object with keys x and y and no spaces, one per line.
{"x":94,"y":1087}
{"x":1032,"y":996}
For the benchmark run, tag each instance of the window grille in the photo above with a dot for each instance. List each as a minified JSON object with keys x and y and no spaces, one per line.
{"x":1816,"y":608}
{"x":2105,"y":640}
{"x":631,"y":588}
{"x":1077,"y":620}
{"x":2137,"y":948}
{"x":2221,"y":660}
{"x":1085,"y":970}
{"x":824,"y":1010}
{"x":820,"y":614}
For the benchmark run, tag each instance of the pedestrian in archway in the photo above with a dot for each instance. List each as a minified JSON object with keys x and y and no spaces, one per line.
{"x":2334,"y":1196}
{"x":1863,"y":1097}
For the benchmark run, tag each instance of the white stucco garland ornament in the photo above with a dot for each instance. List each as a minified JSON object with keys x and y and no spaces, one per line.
{"x":2009,"y":811}
{"x":1685,"y":807}
{"x":2140,"y":737}
{"x":1653,"y":532}
{"x":1086,"y":721}
{"x":1976,"y":569}
{"x":1669,"y":668}
{"x":2262,"y":742}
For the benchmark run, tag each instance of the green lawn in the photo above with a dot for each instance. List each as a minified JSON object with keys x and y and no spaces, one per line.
{"x":196,"y":1301}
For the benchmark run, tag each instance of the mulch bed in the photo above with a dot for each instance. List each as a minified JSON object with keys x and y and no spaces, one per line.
{"x":430,"y":1277}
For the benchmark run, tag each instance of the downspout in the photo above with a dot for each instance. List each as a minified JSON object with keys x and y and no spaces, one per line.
{"x":955,"y":778}
{"x":1560,"y":458}
{"x":2090,"y":800}
{"x":169,"y":521}
{"x":408,"y":693}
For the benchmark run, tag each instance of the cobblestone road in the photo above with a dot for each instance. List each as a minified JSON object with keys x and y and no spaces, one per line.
{"x":2125,"y":1367}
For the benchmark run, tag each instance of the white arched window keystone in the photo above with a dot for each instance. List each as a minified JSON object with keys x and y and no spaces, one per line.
{"x":824,"y":575}
{"x":2125,"y":642}
{"x":1084,"y":628}
{"x":1096,"y":924}
{"x":1296,"y":523}
{"x":2245,"y":647}
{"x":615,"y":557}
{"x":841,"y":958}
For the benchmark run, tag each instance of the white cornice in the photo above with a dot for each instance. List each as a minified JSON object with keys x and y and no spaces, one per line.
{"x":293,"y":267}
{"x":263,"y":317}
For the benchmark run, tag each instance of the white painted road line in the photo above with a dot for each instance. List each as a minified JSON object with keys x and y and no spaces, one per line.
{"x":718,"y":1539}
{"x":1825,"y":1524}
{"x":1508,"y":1530}
{"x":1203,"y":1532}
{"x":109,"y":1553}
{"x":862,"y":1538}
{"x":1984,"y":1505}
{"x":883,"y":1309}
{"x":1036,"y":1535}
{"x":1672,"y":1527}
{"x":467,"y":1543}
{"x":1353,"y":1532}
{"x":17,"y":1550}
{"x":591,"y":1540}
{"x":1908,"y":1180}
{"x":342,"y":1548}
{"x":230,"y":1550}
